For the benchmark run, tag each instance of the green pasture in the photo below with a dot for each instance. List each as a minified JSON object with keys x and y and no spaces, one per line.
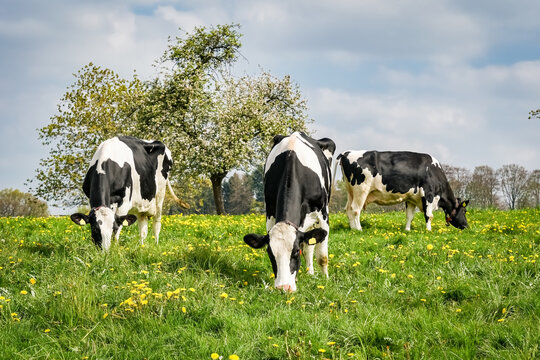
{"x":201,"y":293}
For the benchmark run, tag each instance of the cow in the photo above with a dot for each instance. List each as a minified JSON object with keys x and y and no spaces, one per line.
{"x":126,"y":182}
{"x":389,"y":178}
{"x":297,"y":183}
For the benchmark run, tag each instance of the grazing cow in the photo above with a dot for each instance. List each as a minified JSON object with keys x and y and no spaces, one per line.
{"x":297,"y":182}
{"x":389,"y":178}
{"x":126,"y":181}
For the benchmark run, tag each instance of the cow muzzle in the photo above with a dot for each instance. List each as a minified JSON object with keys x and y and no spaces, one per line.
{"x":286,"y":287}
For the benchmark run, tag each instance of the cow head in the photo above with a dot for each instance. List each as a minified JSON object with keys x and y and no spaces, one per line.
{"x":284,"y":241}
{"x":457,"y":215}
{"x":104,"y":223}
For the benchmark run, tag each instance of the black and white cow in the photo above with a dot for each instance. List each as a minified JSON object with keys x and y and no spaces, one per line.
{"x":126,"y":181}
{"x":297,"y":183}
{"x":389,"y":178}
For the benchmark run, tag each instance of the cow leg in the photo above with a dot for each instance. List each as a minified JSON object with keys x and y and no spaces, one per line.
{"x":157,"y":226}
{"x":409,"y":209}
{"x":355,"y":203}
{"x":117,"y":234}
{"x":307,"y":251}
{"x":321,"y":250}
{"x":428,"y":212}
{"x":143,"y":227}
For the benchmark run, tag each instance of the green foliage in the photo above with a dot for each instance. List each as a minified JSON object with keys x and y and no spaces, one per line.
{"x":212,"y":121}
{"x":201,"y":290}
{"x":16,"y":203}
{"x":97,"y":106}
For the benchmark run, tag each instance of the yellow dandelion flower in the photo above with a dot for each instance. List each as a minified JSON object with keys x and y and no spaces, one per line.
{"x":234,"y":357}
{"x":500,"y":320}
{"x":458,"y":310}
{"x":47,"y":330}
{"x":322,"y":350}
{"x":184,"y":309}
{"x":429,"y":247}
{"x":24,"y":292}
{"x":320,"y":286}
{"x":224,"y":295}
{"x":105,"y":315}
{"x":32,"y":281}
{"x":214,"y":356}
{"x":330,"y":343}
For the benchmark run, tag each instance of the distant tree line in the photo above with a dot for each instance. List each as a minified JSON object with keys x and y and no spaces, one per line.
{"x":510,"y":187}
{"x":17,"y":203}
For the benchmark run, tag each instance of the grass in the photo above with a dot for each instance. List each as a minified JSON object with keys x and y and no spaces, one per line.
{"x":391,"y":295}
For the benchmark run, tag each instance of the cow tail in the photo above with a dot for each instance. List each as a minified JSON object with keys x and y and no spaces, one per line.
{"x":334,"y":171}
{"x":176,"y":199}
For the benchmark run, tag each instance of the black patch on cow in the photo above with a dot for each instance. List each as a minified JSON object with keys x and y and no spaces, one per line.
{"x":108,"y":188}
{"x":145,"y":157}
{"x":292,"y":190}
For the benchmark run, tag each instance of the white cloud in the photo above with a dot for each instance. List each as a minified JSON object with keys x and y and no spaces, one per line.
{"x":185,"y":20}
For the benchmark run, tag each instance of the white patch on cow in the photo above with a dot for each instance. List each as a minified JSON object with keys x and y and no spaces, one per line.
{"x":354,"y":155}
{"x":112,"y":149}
{"x":328,"y":155}
{"x":105,"y":217}
{"x":302,"y":149}
{"x":282,"y":238}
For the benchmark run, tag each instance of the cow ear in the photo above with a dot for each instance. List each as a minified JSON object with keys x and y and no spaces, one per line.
{"x":80,"y":219}
{"x":256,"y":241}
{"x":277,"y":139}
{"x":126,"y":220}
{"x":326,"y":144}
{"x":314,"y":236}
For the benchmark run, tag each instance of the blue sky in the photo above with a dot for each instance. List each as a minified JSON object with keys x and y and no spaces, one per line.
{"x":452,"y":78}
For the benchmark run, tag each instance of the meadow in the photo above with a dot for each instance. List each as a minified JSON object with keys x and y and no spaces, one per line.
{"x":202,"y":294}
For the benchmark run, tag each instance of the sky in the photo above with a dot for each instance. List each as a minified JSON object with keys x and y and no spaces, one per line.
{"x":452,"y":78}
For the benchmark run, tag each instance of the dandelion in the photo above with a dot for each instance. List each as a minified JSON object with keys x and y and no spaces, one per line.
{"x":350,"y":354}
{"x":105,"y":315}
{"x":47,"y":330}
{"x":423,"y":300}
{"x":401,"y":291}
{"x":184,"y":309}
{"x":322,"y":351}
{"x":330,"y":343}
{"x":320,"y":287}
{"x":224,"y":295}
{"x":24,"y":292}
{"x":500,"y":320}
{"x":214,"y":356}
{"x":32,"y":281}
{"x":234,"y":357}
{"x":458,"y":310}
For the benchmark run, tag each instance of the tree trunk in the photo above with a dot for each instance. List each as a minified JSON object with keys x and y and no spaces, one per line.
{"x":216,"y":180}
